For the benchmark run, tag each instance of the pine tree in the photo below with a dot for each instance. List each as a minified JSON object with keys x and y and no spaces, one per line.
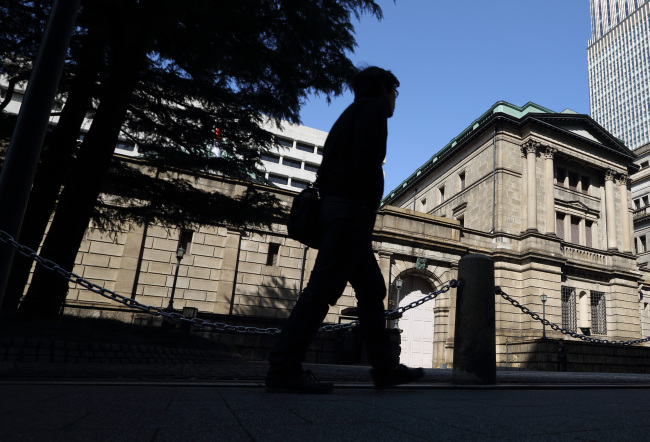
{"x":164,"y":75}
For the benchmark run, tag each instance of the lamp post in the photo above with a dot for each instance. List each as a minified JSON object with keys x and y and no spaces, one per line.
{"x":398,"y":286}
{"x":179,"y":255}
{"x":544,"y":298}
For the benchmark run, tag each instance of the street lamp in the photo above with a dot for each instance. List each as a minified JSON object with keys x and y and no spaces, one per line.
{"x":179,"y":255}
{"x":398,"y":286}
{"x":544,"y":298}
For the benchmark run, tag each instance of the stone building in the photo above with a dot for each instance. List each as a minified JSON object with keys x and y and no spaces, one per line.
{"x":544,"y":194}
{"x":547,"y":196}
{"x":641,"y":216}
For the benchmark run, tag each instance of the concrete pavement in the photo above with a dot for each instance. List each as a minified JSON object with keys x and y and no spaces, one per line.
{"x":64,"y":390}
{"x":186,"y":411}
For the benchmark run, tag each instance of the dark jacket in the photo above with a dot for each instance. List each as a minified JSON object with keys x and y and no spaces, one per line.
{"x":354,"y":153}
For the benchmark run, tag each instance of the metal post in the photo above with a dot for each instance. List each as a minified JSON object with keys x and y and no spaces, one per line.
{"x":25,"y":148}
{"x":398,"y":285}
{"x":474,"y":341}
{"x":179,"y":255}
{"x":544,"y":297}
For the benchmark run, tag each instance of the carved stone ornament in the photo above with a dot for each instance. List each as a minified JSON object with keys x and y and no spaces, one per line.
{"x":610,"y":174}
{"x":530,"y":146}
{"x":549,"y":152}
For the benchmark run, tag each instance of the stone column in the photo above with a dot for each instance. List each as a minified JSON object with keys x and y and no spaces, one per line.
{"x":625,"y":213}
{"x":610,"y":210}
{"x":530,"y":148}
{"x":549,"y":189}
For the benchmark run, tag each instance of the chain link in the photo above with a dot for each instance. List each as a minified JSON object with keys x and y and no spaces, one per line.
{"x":565,"y":331}
{"x":178,"y":317}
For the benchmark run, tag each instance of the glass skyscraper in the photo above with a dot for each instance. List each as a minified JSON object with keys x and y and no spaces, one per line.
{"x":619,"y":68}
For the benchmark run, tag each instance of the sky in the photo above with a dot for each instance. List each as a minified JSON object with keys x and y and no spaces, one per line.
{"x":456,"y":58}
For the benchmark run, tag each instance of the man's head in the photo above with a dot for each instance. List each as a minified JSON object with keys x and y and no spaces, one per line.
{"x":375,"y":82}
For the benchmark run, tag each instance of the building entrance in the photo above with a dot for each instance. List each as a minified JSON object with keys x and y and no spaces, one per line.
{"x":417,"y":326}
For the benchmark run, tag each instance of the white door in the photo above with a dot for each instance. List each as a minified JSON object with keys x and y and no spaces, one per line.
{"x":417,"y":332}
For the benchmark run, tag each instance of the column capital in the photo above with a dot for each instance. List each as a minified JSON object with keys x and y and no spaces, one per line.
{"x":530,"y":146}
{"x":610,"y":174}
{"x":623,"y":179}
{"x":549,"y":152}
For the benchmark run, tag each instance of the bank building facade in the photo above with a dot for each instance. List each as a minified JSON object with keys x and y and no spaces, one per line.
{"x":546,"y":195}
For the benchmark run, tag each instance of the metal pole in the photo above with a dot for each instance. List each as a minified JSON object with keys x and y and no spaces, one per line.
{"x":544,"y":297}
{"x":25,"y":148}
{"x":170,"y":307}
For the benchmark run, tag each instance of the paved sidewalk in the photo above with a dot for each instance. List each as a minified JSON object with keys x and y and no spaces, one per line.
{"x":181,"y":412}
{"x":62,"y":390}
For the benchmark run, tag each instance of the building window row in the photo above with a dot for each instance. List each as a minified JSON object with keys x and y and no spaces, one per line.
{"x":286,"y":142}
{"x":289,"y":162}
{"x":287,"y":181}
{"x":443,"y":193}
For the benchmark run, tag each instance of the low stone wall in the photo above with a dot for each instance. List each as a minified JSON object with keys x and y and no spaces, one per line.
{"x":543,"y":355}
{"x":331,"y":347}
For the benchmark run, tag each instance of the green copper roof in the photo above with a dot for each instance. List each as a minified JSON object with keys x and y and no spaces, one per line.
{"x":498,"y":107}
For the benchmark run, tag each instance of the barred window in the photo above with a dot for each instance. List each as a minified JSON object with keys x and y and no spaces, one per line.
{"x":569,"y":317}
{"x":598,"y":313}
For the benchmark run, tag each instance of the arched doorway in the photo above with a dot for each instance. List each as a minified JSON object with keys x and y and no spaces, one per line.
{"x":416,"y":324}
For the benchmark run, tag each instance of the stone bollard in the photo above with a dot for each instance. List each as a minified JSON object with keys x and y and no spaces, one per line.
{"x":474,"y":340}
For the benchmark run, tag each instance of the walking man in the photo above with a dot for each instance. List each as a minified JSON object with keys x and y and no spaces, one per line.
{"x":351,"y":183}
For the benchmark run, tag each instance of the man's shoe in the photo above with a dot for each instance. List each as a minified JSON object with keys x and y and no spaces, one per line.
{"x":399,"y":375}
{"x":305,"y":382}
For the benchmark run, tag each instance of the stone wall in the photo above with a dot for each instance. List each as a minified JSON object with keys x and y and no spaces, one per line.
{"x":580,"y":356}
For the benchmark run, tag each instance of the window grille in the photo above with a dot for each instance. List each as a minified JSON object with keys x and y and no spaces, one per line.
{"x":569,"y":317}
{"x":598,"y":313}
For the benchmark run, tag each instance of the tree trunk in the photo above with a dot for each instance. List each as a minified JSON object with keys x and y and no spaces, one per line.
{"x":55,"y":162}
{"x":47,"y":291}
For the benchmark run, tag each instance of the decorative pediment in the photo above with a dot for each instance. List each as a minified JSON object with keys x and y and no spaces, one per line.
{"x":585,"y":128}
{"x":576,"y":207}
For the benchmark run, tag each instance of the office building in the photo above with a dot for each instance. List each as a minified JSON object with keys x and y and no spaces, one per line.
{"x":619,"y":68}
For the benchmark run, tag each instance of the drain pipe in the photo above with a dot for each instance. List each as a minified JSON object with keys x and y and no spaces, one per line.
{"x":494,"y":179}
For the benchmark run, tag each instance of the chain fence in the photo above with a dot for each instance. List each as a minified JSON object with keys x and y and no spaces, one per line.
{"x":562,"y":330}
{"x":178,"y":317}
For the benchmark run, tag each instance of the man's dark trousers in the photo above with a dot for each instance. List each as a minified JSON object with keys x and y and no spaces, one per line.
{"x":345,"y":255}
